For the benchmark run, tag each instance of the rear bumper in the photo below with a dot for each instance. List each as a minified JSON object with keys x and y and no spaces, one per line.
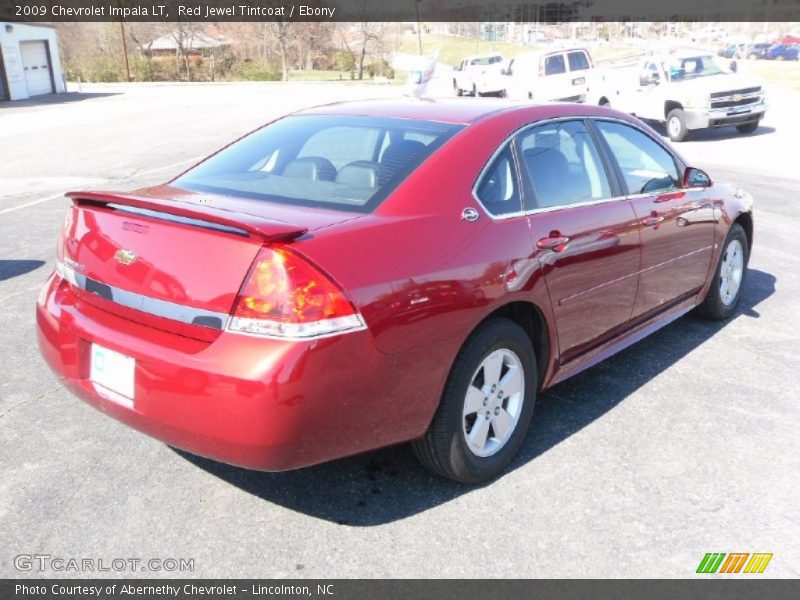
{"x":700,"y":118}
{"x":253,"y":402}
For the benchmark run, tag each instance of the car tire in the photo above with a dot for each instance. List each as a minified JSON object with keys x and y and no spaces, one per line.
{"x":747,"y":127}
{"x":452,"y":445}
{"x":719,"y":302}
{"x":458,"y":90}
{"x":676,"y":125}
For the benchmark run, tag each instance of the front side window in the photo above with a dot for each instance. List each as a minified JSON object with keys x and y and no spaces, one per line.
{"x":554,"y":65}
{"x":498,"y":189}
{"x":646,"y":165}
{"x":578,"y":61}
{"x":563,"y":164}
{"x":341,"y":162}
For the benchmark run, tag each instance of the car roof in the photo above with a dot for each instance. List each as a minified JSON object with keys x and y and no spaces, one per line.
{"x":545,"y":52}
{"x":461,"y":111}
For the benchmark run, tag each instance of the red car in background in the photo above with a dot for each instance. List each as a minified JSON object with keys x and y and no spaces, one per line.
{"x":364,"y":274}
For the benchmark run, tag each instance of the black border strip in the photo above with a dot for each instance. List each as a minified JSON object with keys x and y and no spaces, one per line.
{"x":475,"y":11}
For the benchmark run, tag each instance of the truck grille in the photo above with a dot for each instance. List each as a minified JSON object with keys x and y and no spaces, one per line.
{"x":736,"y":98}
{"x":742,"y":92}
{"x":735,"y":103}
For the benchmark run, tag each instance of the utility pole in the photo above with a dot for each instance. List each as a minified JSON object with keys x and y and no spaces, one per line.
{"x":419,"y":29}
{"x":125,"y":50}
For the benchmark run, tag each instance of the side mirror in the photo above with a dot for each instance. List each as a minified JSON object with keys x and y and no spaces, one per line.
{"x":696,"y":178}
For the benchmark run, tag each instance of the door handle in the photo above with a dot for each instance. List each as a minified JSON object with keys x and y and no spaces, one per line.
{"x":651,"y":221}
{"x":556,"y":243}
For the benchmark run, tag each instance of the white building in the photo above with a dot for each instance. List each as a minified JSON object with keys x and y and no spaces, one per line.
{"x":29,"y":61}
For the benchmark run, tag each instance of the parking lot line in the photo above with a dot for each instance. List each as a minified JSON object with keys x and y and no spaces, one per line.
{"x":31,"y":203}
{"x":61,"y":195}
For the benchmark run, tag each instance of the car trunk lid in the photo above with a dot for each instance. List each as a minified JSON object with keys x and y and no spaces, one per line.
{"x":175,"y":265}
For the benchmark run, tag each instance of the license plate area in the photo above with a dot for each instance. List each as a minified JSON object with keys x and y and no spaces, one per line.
{"x":112,"y":375}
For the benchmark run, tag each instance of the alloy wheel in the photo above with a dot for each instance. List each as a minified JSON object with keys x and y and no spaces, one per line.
{"x":730,"y":272}
{"x":493,"y":402}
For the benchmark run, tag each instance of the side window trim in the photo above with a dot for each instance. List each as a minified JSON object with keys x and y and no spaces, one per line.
{"x":616,"y":181}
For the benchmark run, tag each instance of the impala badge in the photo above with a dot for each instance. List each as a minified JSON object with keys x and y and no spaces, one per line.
{"x":125,"y":257}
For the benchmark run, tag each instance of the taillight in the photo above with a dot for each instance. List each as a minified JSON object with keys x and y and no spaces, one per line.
{"x":286,"y":296}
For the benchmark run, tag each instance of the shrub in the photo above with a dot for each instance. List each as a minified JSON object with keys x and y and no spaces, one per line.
{"x":257,"y":70}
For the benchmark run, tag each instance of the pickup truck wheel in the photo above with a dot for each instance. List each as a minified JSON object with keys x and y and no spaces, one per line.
{"x":747,"y":127}
{"x":676,"y":125}
{"x":486,"y":406}
{"x":725,"y":290}
{"x":458,"y":90}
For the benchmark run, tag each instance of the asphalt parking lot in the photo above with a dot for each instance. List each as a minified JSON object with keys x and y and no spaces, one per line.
{"x":685,"y":443}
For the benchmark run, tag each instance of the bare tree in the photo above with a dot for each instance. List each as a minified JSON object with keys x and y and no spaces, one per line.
{"x":184,"y":34}
{"x":367,"y":33}
{"x":282,"y":31}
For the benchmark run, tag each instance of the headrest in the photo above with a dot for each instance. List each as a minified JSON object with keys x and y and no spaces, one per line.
{"x":311,"y":167}
{"x":361,"y":173}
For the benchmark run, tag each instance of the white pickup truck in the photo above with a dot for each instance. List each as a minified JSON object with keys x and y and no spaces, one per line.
{"x":687,"y":90}
{"x":478,"y":75}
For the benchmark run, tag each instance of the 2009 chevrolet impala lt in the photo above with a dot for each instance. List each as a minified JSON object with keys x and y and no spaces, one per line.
{"x":363,"y":274}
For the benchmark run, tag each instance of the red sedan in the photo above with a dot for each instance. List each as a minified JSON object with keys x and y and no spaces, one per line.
{"x":365,"y":274}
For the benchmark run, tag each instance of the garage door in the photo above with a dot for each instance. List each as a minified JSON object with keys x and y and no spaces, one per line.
{"x":36,"y":64}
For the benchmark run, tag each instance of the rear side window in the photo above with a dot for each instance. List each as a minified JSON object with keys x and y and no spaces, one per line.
{"x":348,"y":163}
{"x":498,"y":190}
{"x":646,"y":165}
{"x":554,"y":65}
{"x":578,"y":61}
{"x":563,"y":164}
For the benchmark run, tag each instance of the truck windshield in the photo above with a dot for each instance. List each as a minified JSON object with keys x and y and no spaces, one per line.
{"x":487,"y":60}
{"x":691,"y":67}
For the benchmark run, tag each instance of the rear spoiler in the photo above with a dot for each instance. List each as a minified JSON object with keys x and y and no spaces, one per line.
{"x":254,"y":226}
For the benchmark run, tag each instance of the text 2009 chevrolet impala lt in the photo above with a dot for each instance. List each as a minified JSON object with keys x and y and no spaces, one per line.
{"x":364,"y":274}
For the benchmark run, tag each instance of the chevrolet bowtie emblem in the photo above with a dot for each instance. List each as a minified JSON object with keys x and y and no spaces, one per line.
{"x":125,"y":257}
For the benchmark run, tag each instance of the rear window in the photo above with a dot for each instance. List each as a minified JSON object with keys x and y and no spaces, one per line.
{"x":349,"y":163}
